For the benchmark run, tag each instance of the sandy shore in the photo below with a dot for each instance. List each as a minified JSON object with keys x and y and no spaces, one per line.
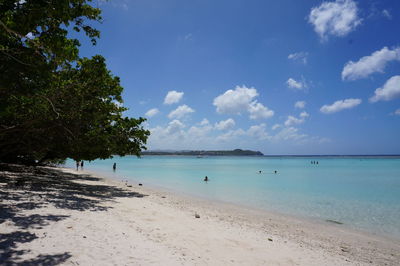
{"x":54,"y":216}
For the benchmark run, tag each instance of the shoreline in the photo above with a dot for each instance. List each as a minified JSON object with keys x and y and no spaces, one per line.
{"x":97,"y":220}
{"x":235,"y":209}
{"x":240,"y":206}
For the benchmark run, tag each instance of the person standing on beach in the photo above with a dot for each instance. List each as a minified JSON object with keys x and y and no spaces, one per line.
{"x":77,"y":165}
{"x":81,"y":165}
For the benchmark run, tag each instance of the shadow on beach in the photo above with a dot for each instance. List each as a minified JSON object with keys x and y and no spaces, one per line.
{"x":24,"y":189}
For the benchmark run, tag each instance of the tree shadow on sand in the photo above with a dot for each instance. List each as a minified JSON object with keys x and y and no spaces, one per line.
{"x":24,"y":189}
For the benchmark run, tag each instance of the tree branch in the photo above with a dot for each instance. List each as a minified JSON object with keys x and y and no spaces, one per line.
{"x":52,"y":105}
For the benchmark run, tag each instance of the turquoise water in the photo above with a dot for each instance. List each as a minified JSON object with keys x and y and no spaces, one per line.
{"x":362,"y":193}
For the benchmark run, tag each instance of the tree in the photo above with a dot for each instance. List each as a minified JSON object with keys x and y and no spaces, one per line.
{"x":53,"y":104}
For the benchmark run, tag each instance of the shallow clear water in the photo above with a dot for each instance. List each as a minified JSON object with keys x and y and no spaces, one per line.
{"x":363,"y":193}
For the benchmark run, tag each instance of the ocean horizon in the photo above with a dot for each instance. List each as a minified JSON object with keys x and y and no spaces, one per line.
{"x":357,"y":191}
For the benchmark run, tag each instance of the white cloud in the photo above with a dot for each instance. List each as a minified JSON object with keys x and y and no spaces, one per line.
{"x":225,"y":124}
{"x":340,"y":105}
{"x":300,"y":104}
{"x":291,"y":120}
{"x":176,"y":135}
{"x":235,"y":101}
{"x":389,"y":91}
{"x":289,"y":133}
{"x":152,"y":112}
{"x":174,"y":127}
{"x":276,"y":126}
{"x":242,"y":100}
{"x":259,"y":111}
{"x":231,"y":135}
{"x":296,"y":85}
{"x":304,"y":114}
{"x":336,"y":18}
{"x":376,"y":62}
{"x":292,"y":134}
{"x":258,"y":131}
{"x":173,"y":97}
{"x":174,"y":130}
{"x":172,"y":134}
{"x":204,"y":122}
{"x":386,"y":14}
{"x":299,"y":57}
{"x":180,"y":112}
{"x":397,"y":112}
{"x":255,"y":132}
{"x":199,"y":134}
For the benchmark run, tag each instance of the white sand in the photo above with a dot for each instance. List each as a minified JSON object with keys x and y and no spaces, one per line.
{"x":94,"y":225}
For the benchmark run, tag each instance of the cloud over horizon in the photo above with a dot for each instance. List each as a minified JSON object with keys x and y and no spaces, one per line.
{"x":225,"y":124}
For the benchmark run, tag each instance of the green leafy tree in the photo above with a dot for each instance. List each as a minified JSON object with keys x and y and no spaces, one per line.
{"x":53,"y":104}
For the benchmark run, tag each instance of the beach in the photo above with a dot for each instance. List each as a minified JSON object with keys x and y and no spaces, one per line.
{"x":53,"y":216}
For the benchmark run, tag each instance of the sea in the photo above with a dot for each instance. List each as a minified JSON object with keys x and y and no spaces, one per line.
{"x":360,"y":192}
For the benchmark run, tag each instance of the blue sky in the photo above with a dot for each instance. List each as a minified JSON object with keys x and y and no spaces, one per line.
{"x":282,"y":77}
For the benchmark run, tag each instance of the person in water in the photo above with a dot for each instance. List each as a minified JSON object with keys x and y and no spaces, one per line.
{"x":206,"y":178}
{"x":114,"y":166}
{"x":81,"y":164}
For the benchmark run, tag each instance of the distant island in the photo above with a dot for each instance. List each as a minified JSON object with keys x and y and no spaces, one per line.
{"x":236,"y":152}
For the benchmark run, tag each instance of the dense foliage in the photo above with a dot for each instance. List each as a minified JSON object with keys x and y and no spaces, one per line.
{"x":53,"y":104}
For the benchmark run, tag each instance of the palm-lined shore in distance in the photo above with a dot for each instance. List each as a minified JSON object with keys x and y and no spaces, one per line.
{"x":236,"y":152}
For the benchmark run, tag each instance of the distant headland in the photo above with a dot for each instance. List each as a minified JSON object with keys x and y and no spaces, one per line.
{"x":236,"y":152}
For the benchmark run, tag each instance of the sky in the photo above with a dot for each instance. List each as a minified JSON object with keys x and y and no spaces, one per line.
{"x":281,"y":77}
